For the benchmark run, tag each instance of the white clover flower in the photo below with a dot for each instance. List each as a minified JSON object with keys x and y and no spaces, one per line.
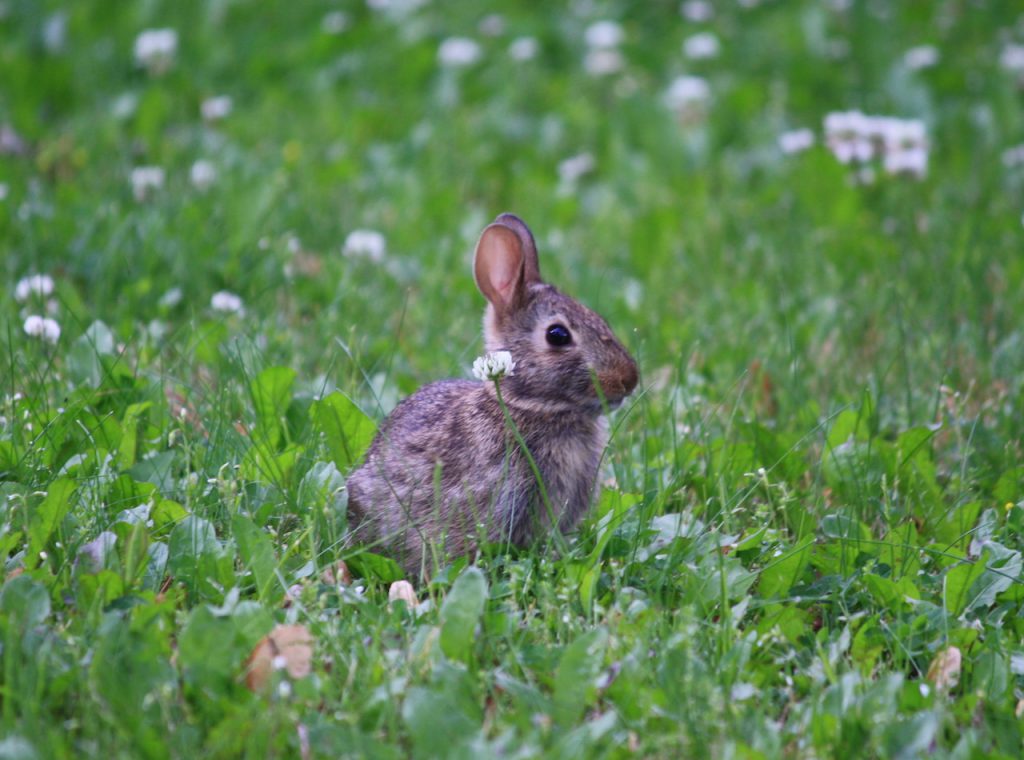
{"x":848,"y":135}
{"x":203,"y":174}
{"x":603,"y":35}
{"x":600,"y":62}
{"x":901,"y":144}
{"x":848,"y":151}
{"x":124,"y":106}
{"x":697,"y":11}
{"x":335,"y":22}
{"x":55,"y":32}
{"x":523,"y":48}
{"x":1012,"y":58}
{"x":1013,"y":156}
{"x":171,"y":298}
{"x":227,"y":301}
{"x":145,"y":179}
{"x":367,"y":243}
{"x":571,"y":169}
{"x":685,"y":92}
{"x":396,"y":8}
{"x":912,"y":161}
{"x":921,"y":57}
{"x":492,"y":25}
{"x":458,"y":52}
{"x":701,"y":46}
{"x":216,"y":108}
{"x":844,"y":123}
{"x":42,"y":327}
{"x":494,"y":366}
{"x":633,"y":293}
{"x":905,"y":132}
{"x":11,"y":143}
{"x":796,"y":141}
{"x":155,"y":49}
{"x":33,"y":285}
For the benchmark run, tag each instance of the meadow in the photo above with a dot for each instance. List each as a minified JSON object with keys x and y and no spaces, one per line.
{"x":234,"y":234}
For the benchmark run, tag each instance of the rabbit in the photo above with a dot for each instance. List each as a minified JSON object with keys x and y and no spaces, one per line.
{"x":445,"y":471}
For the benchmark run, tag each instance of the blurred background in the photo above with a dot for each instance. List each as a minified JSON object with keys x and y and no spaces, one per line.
{"x":779,"y":206}
{"x":333,"y":163}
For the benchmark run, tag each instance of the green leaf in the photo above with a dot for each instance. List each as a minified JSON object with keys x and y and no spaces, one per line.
{"x":263,"y":463}
{"x":844,"y":527}
{"x":347,"y":430}
{"x":157,"y":469}
{"x":129,"y":664}
{"x":1002,"y":567}
{"x":752,"y":540}
{"x":955,"y":527}
{"x":376,"y":566}
{"x":9,"y":456}
{"x":791,"y":621}
{"x":991,"y":674}
{"x":575,"y":680}
{"x":211,"y":650}
{"x":444,"y":716}
{"x":460,"y":613}
{"x":613,"y":507}
{"x":912,"y":737}
{"x":916,"y":463}
{"x":1010,"y":486}
{"x":957,"y":584}
{"x":323,"y":486}
{"x":193,"y":552}
{"x":271,"y":394}
{"x":891,"y":593}
{"x":130,"y":433}
{"x":852,"y":423}
{"x":85,"y":357}
{"x":136,"y":552}
{"x":167,"y":512}
{"x":24,"y":602}
{"x":257,"y":551}
{"x":784,"y":573}
{"x":46,"y":517}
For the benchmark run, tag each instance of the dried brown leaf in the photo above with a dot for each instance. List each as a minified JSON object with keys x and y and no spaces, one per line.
{"x":288,"y":648}
{"x":944,"y":671}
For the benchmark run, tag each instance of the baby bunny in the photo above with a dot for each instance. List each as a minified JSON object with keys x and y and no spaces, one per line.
{"x":445,"y":472}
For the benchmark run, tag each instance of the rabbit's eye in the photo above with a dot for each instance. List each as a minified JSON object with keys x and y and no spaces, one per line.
{"x":559,"y":335}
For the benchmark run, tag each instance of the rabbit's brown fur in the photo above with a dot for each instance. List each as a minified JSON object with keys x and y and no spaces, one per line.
{"x":445,"y":471}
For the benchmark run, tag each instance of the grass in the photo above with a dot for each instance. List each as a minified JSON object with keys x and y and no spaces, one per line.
{"x":811,"y":507}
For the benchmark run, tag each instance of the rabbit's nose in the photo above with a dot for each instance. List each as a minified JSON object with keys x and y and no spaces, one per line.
{"x":630,"y":377}
{"x":618,"y":383}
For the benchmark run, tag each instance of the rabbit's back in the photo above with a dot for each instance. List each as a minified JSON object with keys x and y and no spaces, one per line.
{"x":446,"y":471}
{"x":432,"y":473}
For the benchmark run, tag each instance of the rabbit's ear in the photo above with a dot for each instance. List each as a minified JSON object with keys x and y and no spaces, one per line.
{"x":531,"y":267}
{"x":498,"y":266}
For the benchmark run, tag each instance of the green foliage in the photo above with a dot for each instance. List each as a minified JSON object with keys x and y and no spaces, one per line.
{"x":460,"y":612}
{"x":815,"y":497}
{"x":345,"y":428}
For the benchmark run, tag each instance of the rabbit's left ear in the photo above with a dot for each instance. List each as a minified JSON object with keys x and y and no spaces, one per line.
{"x":531,"y":267}
{"x":505,"y":263}
{"x":498,"y":267}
